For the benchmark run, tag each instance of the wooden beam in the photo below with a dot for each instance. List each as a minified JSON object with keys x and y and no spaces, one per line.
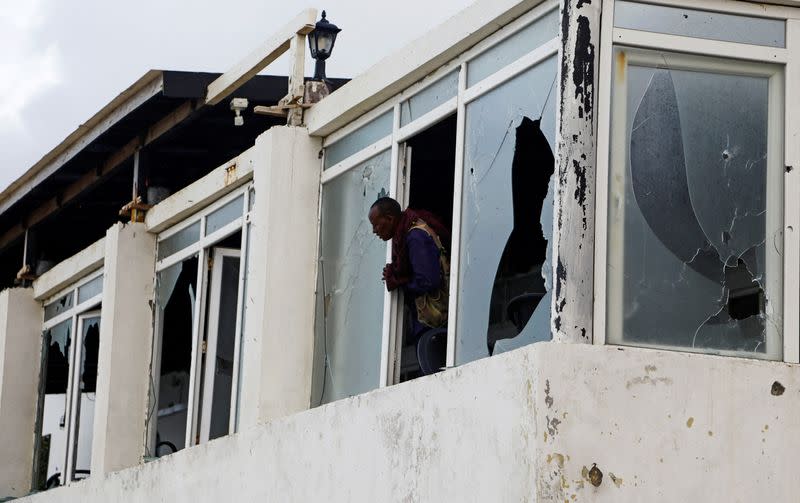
{"x":122,"y":105}
{"x":265,"y":54}
{"x":74,"y":189}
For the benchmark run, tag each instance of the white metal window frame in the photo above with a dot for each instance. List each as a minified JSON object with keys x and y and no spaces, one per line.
{"x":75,"y":314}
{"x":742,"y":58}
{"x":202,"y":249}
{"x":392,"y":314}
{"x":76,"y":307}
{"x":75,"y":395}
{"x":219,"y":255}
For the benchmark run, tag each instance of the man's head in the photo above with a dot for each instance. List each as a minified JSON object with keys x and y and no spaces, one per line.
{"x":384,"y":215}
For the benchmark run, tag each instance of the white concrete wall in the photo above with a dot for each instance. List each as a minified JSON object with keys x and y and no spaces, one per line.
{"x":661,"y":426}
{"x":668,"y":426}
{"x":20,"y":362}
{"x":123,"y":367}
{"x":279,"y":327}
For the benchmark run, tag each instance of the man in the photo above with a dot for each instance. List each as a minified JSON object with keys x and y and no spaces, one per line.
{"x":419,"y":260}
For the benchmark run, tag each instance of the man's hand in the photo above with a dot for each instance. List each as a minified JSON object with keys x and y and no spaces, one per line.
{"x":389,"y":278}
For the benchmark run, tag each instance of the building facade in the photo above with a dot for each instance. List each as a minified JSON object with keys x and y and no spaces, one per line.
{"x":620,"y":182}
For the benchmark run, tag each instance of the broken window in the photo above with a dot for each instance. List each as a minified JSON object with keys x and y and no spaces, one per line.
{"x":695,"y":205}
{"x":68,"y":383}
{"x":199,"y":318}
{"x":176,"y":291}
{"x":352,"y":292}
{"x":700,"y":24}
{"x":507,"y":217}
{"x":428,"y":177}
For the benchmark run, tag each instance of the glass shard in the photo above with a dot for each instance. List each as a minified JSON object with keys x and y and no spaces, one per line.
{"x":507,"y":217}
{"x":694,"y":270}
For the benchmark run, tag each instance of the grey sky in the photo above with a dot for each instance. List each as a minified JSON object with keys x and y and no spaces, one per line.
{"x":64,"y":60}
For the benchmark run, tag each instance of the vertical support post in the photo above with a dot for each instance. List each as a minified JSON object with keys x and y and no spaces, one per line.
{"x":576,"y":150}
{"x":140,"y":170}
{"x":136,"y":167}
{"x":297,"y":53}
{"x":126,"y":326}
{"x":791,"y":243}
{"x":20,"y":369}
{"x":278,"y":351}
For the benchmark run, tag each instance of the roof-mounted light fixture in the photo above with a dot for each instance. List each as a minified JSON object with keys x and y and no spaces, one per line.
{"x":320,"y":42}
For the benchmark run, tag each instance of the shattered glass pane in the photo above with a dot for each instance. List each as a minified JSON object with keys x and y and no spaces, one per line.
{"x":359,"y":139}
{"x":58,"y":306}
{"x":90,"y":289}
{"x":57,"y":340}
{"x":429,"y":98}
{"x":512,"y":48}
{"x":178,"y":241}
{"x":351,"y":262}
{"x":505,"y":272}
{"x":701,"y":237}
{"x":90,"y":338}
{"x":176,"y":288}
{"x":220,"y":217}
{"x":700,"y":24}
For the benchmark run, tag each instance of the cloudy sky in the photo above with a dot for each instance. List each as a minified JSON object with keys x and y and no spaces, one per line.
{"x":61,"y":61}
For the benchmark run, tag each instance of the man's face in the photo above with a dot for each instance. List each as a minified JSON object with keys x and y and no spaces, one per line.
{"x":382,"y":225}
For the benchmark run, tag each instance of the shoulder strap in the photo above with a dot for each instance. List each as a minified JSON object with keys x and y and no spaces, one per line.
{"x":421,"y":225}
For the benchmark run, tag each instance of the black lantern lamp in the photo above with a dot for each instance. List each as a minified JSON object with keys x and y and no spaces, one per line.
{"x":321,"y":41}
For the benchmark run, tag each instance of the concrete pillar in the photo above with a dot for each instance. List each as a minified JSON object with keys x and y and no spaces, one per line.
{"x":20,"y":365}
{"x":123,"y":373}
{"x":279,"y":325}
{"x":576,"y":149}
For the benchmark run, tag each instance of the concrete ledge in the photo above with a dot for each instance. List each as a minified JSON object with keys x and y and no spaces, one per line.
{"x":201,"y":193}
{"x":70,"y":270}
{"x":528,"y":425}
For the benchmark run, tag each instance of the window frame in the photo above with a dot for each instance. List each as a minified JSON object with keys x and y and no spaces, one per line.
{"x":396,"y":141}
{"x":203,"y":249}
{"x":75,"y":314}
{"x":739,"y":59}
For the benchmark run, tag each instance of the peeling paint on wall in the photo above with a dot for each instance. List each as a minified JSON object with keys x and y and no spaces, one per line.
{"x":573,"y":260}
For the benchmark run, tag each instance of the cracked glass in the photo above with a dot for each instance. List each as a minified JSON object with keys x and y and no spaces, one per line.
{"x":695,"y":218}
{"x":507,"y":216}
{"x":61,"y":305}
{"x":175,"y":296}
{"x":53,"y":432}
{"x":89,"y":329}
{"x":351,"y":262}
